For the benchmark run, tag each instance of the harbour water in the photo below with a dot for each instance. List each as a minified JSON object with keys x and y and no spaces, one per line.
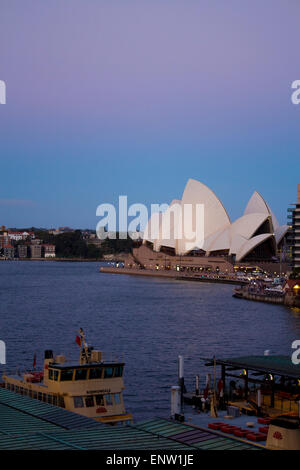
{"x":149,"y":320}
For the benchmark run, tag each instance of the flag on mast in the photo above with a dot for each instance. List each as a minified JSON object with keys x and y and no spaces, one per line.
{"x":78,"y":340}
{"x":34,"y":361}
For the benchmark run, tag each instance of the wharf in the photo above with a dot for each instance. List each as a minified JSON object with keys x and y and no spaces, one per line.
{"x":171,"y":275}
{"x":273,"y":299}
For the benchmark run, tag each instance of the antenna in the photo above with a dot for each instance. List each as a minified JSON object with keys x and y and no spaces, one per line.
{"x":84,"y":350}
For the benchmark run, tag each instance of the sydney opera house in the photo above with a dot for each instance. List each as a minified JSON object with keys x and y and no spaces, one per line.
{"x":255,"y":237}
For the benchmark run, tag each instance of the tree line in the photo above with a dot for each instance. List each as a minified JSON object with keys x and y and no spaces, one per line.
{"x":74,"y":245}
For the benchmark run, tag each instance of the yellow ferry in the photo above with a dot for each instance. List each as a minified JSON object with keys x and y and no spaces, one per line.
{"x":92,"y":388}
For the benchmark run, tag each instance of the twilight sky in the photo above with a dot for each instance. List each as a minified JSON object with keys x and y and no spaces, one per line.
{"x":133,"y":97}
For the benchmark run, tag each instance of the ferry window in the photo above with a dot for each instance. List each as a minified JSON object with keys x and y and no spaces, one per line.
{"x":12,"y":387}
{"x":108,"y":372}
{"x":99,"y":400}
{"x":40,"y":396}
{"x":117,"y":398}
{"x":55,"y":374}
{"x":118,"y":371}
{"x":34,"y":395}
{"x":61,"y":401}
{"x":66,"y":375}
{"x":55,"y":400}
{"x":50,"y":374}
{"x":50,"y":399}
{"x":89,"y":402}
{"x":30,"y":393}
{"x":78,"y":402}
{"x":80,"y":374}
{"x":108,"y":400}
{"x":96,"y":373}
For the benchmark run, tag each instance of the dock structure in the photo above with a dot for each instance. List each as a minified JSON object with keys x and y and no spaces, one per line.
{"x":285,"y":298}
{"x":33,"y":425}
{"x":275,"y":380}
{"x":246,"y":295}
{"x":176,"y":275}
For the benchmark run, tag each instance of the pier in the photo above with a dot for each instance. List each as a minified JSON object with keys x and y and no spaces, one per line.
{"x":281,"y":299}
{"x":244,"y":294}
{"x":31,"y":424}
{"x":172,"y":274}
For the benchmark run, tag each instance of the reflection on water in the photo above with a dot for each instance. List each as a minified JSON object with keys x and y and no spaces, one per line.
{"x":150,"y":321}
{"x":295,"y":311}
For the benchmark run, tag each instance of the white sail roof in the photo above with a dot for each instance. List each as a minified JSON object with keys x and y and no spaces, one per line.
{"x":280,"y":233}
{"x":151,"y":232}
{"x":249,"y":245}
{"x":218,"y":232}
{"x":170,"y":224}
{"x":257,"y":204}
{"x":215,"y":215}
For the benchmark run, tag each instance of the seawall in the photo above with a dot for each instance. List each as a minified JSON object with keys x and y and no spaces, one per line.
{"x":168,"y":274}
{"x":289,"y":301}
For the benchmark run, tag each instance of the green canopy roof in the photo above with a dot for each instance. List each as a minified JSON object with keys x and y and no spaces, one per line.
{"x":26,"y":423}
{"x":278,"y":365}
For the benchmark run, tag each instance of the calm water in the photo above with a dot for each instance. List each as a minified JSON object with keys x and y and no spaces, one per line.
{"x":150,"y":321}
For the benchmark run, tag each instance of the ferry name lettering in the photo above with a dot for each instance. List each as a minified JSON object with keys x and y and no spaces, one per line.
{"x":105,"y":390}
{"x":296,"y":94}
{"x":296,"y":354}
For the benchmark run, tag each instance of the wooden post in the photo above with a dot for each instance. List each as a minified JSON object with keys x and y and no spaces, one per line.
{"x":223,"y":375}
{"x":273,"y":394}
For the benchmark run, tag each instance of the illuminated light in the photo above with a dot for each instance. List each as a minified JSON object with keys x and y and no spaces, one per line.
{"x":296,"y":287}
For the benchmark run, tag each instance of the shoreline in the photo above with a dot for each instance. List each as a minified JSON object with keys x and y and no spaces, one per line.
{"x":169,"y":275}
{"x":286,"y":301}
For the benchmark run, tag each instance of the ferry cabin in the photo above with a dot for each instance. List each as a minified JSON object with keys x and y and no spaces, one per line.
{"x":92,"y":389}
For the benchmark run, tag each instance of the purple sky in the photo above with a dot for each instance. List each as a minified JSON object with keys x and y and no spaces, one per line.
{"x":134,"y":97}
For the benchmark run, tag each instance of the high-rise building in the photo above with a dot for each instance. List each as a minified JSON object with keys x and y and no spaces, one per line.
{"x":36,"y":251}
{"x":294,"y":222}
{"x":22,"y":251}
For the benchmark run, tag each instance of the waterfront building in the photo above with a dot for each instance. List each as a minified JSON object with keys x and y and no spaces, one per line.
{"x":4,"y":239}
{"x":36,"y":251}
{"x":36,"y":241}
{"x":294,"y":220}
{"x":22,"y":251}
{"x":8,"y":251}
{"x":256,"y":237}
{"x":17,"y":236}
{"x":49,"y":251}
